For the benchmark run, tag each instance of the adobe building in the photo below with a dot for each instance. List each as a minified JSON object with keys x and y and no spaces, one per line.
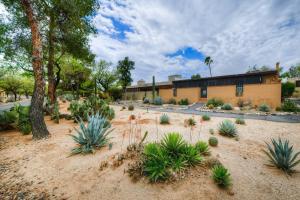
{"x":255,"y":87}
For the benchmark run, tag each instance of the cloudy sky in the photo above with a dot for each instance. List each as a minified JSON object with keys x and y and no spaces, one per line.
{"x":166,"y":37}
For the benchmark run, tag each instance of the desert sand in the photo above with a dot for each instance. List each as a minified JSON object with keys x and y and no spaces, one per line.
{"x":45,"y":168}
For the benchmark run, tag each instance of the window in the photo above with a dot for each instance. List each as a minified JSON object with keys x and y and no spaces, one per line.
{"x":239,"y":89}
{"x":174,"y":92}
{"x":204,"y":92}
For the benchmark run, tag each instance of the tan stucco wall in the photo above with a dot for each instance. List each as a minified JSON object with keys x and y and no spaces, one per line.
{"x":138,"y":95}
{"x":166,"y":94}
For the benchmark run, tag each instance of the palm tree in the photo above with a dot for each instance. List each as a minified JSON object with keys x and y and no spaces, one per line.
{"x":208,"y":62}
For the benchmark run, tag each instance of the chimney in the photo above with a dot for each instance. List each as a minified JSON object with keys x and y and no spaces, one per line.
{"x":278,"y":66}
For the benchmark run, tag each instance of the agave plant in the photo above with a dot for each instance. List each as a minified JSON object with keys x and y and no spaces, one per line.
{"x":164,"y":119}
{"x":92,"y":136}
{"x":227,"y":128}
{"x":174,"y":144}
{"x":221,"y":176}
{"x":281,"y":155}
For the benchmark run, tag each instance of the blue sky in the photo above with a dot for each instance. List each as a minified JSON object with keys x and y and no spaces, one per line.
{"x":167,"y":37}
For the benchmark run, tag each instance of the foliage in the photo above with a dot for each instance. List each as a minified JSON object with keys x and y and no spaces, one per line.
{"x":164,"y":119}
{"x":289,"y":106}
{"x":287,"y":89}
{"x":208,"y":61}
{"x":215,"y":102}
{"x":170,"y":156}
{"x":11,"y":84}
{"x":281,"y":155}
{"x":55,"y":114}
{"x":24,"y":123}
{"x":93,"y":136}
{"x":205,"y":117}
{"x":7,"y":119}
{"x":123,"y":70}
{"x":264,"y":108}
{"x":79,"y":110}
{"x":227,"y":106}
{"x":221,"y":176}
{"x":183,"y":102}
{"x":240,"y":121}
{"x":196,"y":77}
{"x":210,"y":106}
{"x":115,"y":92}
{"x":258,"y":69}
{"x":202,"y":148}
{"x":213,"y":141}
{"x":227,"y":128}
{"x":157,"y":101}
{"x":131,"y":107}
{"x":191,"y":122}
{"x":103,"y":76}
{"x":146,"y":100}
{"x":172,"y":101}
{"x":294,"y":72}
{"x":69,"y":97}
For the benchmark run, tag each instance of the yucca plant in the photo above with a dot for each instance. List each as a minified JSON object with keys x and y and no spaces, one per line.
{"x":281,"y":155}
{"x":164,"y":119}
{"x":240,"y":121}
{"x":191,"y":155}
{"x":174,"y":144}
{"x":202,"y":148}
{"x":221,"y":176}
{"x":92,"y":136}
{"x":227,"y":128}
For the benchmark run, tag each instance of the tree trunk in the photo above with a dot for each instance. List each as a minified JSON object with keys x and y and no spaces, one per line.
{"x":50,"y":66}
{"x":39,"y":128}
{"x":15,"y":94}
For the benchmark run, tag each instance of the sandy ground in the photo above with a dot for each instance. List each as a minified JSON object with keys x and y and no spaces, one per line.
{"x":45,"y":169}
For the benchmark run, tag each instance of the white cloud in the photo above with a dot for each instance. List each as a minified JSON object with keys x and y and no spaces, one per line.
{"x":236,"y":34}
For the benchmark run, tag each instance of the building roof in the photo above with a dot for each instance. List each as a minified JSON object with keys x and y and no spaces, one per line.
{"x":150,"y":84}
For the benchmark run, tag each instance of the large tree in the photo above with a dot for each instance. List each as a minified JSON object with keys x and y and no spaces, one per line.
{"x":11,"y":84}
{"x":124,"y":72}
{"x":104,"y":76}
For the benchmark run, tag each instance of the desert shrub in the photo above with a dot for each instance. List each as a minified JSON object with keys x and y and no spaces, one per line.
{"x":202,"y":148}
{"x":211,"y":131}
{"x":24,"y":124}
{"x":115,"y":93}
{"x":190,"y":122}
{"x":183,"y":102}
{"x":210,"y":106}
{"x":55,"y":113}
{"x":172,"y":101}
{"x":213,"y":141}
{"x":281,"y":155}
{"x":79,"y":110}
{"x":131,"y":107}
{"x":287,"y":89}
{"x":164,"y":119}
{"x":205,"y":117}
{"x":227,"y":106}
{"x":264,"y":108}
{"x":107,"y":112}
{"x":93,"y":136}
{"x":215,"y":102}
{"x":171,"y":155}
{"x":227,"y":128}
{"x":157,"y":101}
{"x":240,"y":121}
{"x":146,"y":100}
{"x":7,"y":119}
{"x":289,"y":106}
{"x":221,"y":176}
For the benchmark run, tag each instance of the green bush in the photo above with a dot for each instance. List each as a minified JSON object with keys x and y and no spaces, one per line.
{"x":164,"y":119}
{"x":289,"y":106}
{"x":183,"y":102}
{"x":191,"y":122}
{"x":215,"y":102}
{"x":146,"y":100}
{"x":69,"y":97}
{"x":172,"y":101}
{"x":221,"y":176}
{"x":287,"y":89}
{"x":264,"y":108}
{"x":55,"y":113}
{"x":92,"y":136}
{"x":281,"y":155}
{"x":205,"y":117}
{"x":157,"y":101}
{"x":240,"y":121}
{"x":227,"y":128}
{"x":227,"y":106}
{"x":79,"y":110}
{"x":115,"y":93}
{"x":24,"y":123}
{"x":213,"y":141}
{"x":202,"y":148}
{"x":7,"y":119}
{"x":170,"y":156}
{"x":131,"y":107}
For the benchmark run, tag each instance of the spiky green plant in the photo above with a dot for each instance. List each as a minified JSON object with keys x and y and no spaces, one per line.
{"x":240,"y":121}
{"x":281,"y":155}
{"x":221,"y":176}
{"x":164,"y":119}
{"x":92,"y":136}
{"x":264,"y":108}
{"x":213,"y":141}
{"x":191,"y":155}
{"x":202,"y":148}
{"x":227,"y":128}
{"x":174,"y":144}
{"x":227,"y":106}
{"x":205,"y":117}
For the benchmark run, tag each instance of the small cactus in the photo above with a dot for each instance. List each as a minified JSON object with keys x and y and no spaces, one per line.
{"x":213,"y":141}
